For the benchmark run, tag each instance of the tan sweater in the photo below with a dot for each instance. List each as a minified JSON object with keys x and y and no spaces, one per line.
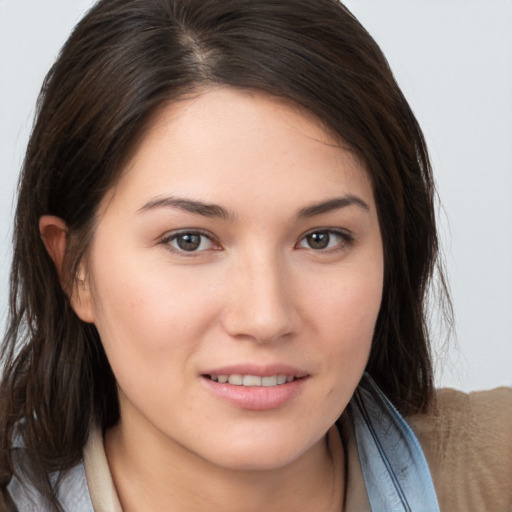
{"x":467,"y":443}
{"x":468,"y":446}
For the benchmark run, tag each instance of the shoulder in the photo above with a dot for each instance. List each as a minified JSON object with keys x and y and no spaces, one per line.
{"x":467,"y":441}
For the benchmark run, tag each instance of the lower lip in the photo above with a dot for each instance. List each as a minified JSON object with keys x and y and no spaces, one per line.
{"x":256,"y":398}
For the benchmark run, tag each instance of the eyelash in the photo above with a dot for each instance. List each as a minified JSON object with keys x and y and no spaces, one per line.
{"x":345,"y":238}
{"x":167,"y":240}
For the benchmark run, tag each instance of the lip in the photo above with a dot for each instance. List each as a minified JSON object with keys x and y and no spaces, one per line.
{"x":256,"y":398}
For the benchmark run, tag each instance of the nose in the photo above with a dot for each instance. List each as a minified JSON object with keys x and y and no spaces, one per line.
{"x":260,"y":304}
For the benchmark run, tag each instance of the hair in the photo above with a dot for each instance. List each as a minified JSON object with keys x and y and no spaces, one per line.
{"x":121,"y":64}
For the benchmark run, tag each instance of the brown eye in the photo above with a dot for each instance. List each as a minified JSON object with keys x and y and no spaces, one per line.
{"x":318,"y":240}
{"x":189,"y":241}
{"x":325,"y":239}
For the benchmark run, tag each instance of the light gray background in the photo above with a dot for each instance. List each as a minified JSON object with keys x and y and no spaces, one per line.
{"x":453,"y":60}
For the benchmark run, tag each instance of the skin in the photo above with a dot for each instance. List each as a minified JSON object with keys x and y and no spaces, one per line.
{"x":256,"y":290}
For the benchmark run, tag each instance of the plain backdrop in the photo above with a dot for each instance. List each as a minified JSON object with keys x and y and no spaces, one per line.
{"x":453,"y":60}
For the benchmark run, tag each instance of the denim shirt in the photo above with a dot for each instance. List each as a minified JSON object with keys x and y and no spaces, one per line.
{"x":394,"y":468}
{"x":395,"y":471}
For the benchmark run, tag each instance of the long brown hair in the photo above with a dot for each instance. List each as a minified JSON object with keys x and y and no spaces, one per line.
{"x":122,"y":62}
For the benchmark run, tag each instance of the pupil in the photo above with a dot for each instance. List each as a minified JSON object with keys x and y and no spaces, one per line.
{"x":189,"y":242}
{"x":318,"y":240}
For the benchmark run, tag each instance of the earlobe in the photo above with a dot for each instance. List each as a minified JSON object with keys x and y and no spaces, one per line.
{"x":53,"y":232}
{"x":81,"y":299}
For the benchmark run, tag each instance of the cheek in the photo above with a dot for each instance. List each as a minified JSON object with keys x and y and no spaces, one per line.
{"x":346,"y":314}
{"x":149,"y":318}
{"x":350,"y":306}
{"x":344,"y":318}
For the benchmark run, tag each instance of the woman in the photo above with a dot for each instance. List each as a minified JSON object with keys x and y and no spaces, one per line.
{"x":223,"y":241}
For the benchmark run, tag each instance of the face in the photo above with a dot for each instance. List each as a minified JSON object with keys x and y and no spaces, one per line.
{"x":235,"y":278}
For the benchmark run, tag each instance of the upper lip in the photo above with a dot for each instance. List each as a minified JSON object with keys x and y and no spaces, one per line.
{"x":258,"y":370}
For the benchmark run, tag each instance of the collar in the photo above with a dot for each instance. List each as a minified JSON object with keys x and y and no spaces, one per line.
{"x":99,"y":479}
{"x":394,"y":468}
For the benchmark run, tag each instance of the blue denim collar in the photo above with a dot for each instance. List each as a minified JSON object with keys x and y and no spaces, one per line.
{"x":394,"y":468}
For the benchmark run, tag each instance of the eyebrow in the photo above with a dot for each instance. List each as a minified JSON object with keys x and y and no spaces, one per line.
{"x":188,"y":205}
{"x":216,"y":211}
{"x":332,"y":204}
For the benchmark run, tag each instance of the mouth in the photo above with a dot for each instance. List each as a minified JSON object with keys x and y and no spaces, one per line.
{"x":253,"y":380}
{"x":256,"y":388}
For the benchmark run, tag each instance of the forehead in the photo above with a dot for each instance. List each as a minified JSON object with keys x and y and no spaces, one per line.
{"x":232,"y":143}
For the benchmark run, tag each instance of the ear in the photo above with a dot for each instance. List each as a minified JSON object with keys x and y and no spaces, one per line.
{"x":53,"y":232}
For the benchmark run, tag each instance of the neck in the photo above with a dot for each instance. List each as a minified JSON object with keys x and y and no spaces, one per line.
{"x":149,"y":475}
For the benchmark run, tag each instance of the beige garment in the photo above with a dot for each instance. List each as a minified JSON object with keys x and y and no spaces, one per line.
{"x":468,"y":446}
{"x":467,"y":443}
{"x":99,"y":480}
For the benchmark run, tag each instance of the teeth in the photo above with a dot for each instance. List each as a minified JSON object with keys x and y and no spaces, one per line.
{"x":236,"y":380}
{"x":270,"y":381}
{"x":253,"y":380}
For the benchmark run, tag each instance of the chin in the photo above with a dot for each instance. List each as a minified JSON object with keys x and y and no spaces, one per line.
{"x":261,"y":456}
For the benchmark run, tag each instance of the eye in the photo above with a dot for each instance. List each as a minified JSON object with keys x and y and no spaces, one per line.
{"x":325,"y":239}
{"x":189,"y":241}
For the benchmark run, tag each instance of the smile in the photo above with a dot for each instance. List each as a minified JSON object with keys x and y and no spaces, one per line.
{"x":261,"y":390}
{"x":252,"y":380}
